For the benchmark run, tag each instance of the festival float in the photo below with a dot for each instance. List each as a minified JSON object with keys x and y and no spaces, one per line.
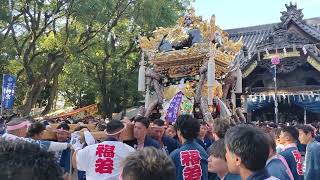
{"x":189,"y":69}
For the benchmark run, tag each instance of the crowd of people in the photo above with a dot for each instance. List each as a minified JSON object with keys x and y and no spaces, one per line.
{"x":189,"y":149}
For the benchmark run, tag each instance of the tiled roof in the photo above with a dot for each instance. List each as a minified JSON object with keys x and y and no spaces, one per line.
{"x":314,"y":22}
{"x":251,"y":36}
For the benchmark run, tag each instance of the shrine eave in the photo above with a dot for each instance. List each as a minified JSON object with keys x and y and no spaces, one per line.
{"x":280,"y":90}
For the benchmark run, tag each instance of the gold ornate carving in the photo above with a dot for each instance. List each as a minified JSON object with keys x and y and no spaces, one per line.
{"x":189,"y":90}
{"x":217,"y":90}
{"x":173,"y":62}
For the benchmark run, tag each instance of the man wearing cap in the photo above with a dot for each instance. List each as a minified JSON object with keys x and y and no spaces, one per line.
{"x":17,"y":129}
{"x":102,"y":161}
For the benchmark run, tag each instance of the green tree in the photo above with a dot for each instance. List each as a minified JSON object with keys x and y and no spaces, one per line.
{"x":115,"y":55}
{"x":76,"y":86}
{"x":41,"y":39}
{"x":45,"y":35}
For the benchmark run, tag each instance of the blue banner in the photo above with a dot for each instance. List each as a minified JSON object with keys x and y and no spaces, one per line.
{"x":8,"y":86}
{"x":174,"y":107}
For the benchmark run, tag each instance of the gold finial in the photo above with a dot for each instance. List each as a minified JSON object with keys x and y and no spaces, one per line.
{"x":212,"y":26}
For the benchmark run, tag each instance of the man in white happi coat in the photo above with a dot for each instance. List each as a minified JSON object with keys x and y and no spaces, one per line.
{"x":102,"y":161}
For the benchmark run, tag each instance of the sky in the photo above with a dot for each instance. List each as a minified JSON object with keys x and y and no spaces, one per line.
{"x":242,"y":13}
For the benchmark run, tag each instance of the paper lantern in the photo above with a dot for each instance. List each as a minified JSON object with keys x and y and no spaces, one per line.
{"x":275,"y":60}
{"x":142,"y":75}
{"x":211,"y":72}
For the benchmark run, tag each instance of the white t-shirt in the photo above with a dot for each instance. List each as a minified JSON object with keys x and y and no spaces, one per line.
{"x":103,"y":160}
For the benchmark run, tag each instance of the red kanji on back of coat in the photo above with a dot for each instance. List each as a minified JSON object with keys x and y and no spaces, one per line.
{"x":297,"y":158}
{"x":104,"y":163}
{"x":191,"y":160}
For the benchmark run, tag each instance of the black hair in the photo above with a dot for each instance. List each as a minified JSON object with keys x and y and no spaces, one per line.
{"x":149,"y":163}
{"x":202,"y":122}
{"x":101,"y":126}
{"x":276,"y":133}
{"x":220,"y":127}
{"x":292,"y":131}
{"x":174,"y":126}
{"x":64,"y":126}
{"x":306,"y":129}
{"x":15,"y":121}
{"x":218,"y":149}
{"x":250,"y":144}
{"x":272,"y":142}
{"x":67,"y":121}
{"x":158,"y":122}
{"x":114,"y":125}
{"x":143,"y":120}
{"x":21,"y":160}
{"x":188,"y":126}
{"x":2,"y":120}
{"x":8,"y":118}
{"x":45,"y":123}
{"x":35,"y":129}
{"x":154,"y":116}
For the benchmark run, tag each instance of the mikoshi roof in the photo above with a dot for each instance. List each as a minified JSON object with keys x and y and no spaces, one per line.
{"x":180,"y":51}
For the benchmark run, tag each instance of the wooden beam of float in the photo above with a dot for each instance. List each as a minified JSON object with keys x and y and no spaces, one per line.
{"x":91,"y":127}
{"x":51,"y":135}
{"x":127,"y":134}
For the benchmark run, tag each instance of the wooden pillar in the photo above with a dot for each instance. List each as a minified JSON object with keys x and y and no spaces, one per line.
{"x":245,"y":107}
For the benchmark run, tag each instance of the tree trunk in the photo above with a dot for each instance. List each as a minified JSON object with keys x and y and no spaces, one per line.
{"x":31,"y":97}
{"x":125,"y":100}
{"x":53,"y":93}
{"x":80,"y":99}
{"x":106,"y":105}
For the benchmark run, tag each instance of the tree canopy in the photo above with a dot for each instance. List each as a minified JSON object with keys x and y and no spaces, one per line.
{"x":86,"y":51}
